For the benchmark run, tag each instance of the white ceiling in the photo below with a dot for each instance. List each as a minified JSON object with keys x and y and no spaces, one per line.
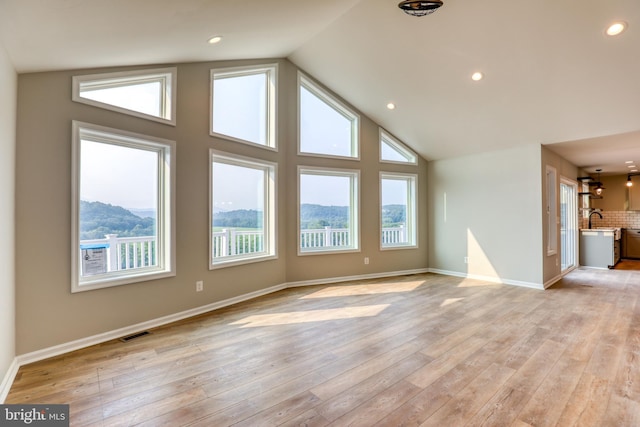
{"x":551,"y":75}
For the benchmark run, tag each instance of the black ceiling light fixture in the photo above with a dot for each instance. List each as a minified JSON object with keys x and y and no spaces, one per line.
{"x":419,"y":8}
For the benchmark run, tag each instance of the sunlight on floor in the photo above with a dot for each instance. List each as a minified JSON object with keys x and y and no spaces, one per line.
{"x":475,"y":283}
{"x":382,"y":288}
{"x":310,"y":316}
{"x":450,"y":301}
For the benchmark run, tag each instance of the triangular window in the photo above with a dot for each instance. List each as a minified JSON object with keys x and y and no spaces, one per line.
{"x":144,"y":93}
{"x":392,"y":150}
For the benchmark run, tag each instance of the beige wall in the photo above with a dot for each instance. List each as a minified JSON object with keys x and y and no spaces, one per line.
{"x":564,"y":169}
{"x":487,"y":207}
{"x":615,"y":194}
{"x":48,"y":314}
{"x":8,"y":89}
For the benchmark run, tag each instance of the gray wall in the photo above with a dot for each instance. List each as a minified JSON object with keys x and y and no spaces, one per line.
{"x":48,"y":314}
{"x":8,"y":89}
{"x":487,"y":207}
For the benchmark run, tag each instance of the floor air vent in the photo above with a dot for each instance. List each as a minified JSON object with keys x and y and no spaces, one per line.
{"x":134,"y":336}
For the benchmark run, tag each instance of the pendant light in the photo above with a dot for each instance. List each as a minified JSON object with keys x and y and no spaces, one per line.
{"x":599,"y":188}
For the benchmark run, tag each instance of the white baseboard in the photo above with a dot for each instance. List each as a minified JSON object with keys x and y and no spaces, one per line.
{"x":491,"y":279}
{"x":7,"y":381}
{"x":353,"y":278}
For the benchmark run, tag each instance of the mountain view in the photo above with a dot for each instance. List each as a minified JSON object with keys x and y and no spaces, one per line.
{"x":311,"y":217}
{"x":98,"y":219}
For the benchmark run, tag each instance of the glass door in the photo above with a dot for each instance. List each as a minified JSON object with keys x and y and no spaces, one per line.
{"x":568,"y":225}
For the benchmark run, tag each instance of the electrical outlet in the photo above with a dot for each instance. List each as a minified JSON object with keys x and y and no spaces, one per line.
{"x":466,"y":260}
{"x":366,"y":260}
{"x":199,"y":286}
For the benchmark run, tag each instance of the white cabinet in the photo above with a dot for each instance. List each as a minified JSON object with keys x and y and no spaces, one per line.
{"x":599,"y":248}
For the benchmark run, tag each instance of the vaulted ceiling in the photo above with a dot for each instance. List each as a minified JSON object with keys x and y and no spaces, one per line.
{"x":551,"y":75}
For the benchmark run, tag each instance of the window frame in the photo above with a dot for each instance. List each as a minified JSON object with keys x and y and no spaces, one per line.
{"x":339,"y":106}
{"x":271,"y":72}
{"x":165,"y":217}
{"x":354,"y":217}
{"x":386,"y":138}
{"x":551,"y":184}
{"x":412,"y":209}
{"x":166,"y":76}
{"x":269,"y":214}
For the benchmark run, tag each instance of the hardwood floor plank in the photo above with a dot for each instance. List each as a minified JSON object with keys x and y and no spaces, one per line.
{"x":438,"y":351}
{"x":363,"y":390}
{"x":547,"y":403}
{"x":468,"y":401}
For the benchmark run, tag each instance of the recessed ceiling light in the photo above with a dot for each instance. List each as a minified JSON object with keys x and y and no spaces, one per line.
{"x":616,"y":28}
{"x":391,"y":106}
{"x":629,"y":161}
{"x":633,"y":170}
{"x":476,"y":76}
{"x":631,"y":166}
{"x":214,"y":40}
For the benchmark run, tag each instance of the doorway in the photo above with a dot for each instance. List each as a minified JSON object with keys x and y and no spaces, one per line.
{"x":568,"y":225}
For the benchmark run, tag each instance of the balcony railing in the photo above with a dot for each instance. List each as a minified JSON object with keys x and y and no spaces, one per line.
{"x":126,"y":253}
{"x":229,"y":241}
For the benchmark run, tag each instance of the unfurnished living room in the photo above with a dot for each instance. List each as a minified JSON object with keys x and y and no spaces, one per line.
{"x":358,"y":212}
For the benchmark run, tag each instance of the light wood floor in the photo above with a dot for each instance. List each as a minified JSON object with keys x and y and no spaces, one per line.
{"x":414,"y":350}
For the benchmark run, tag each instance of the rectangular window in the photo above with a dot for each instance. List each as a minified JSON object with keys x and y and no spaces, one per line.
{"x":552,"y":211}
{"x":328,"y":210}
{"x":243,"y":104}
{"x":393,"y":151}
{"x":148,"y":94}
{"x":398,"y":210}
{"x":243,"y":203}
{"x":122,"y":207}
{"x":327,"y":127}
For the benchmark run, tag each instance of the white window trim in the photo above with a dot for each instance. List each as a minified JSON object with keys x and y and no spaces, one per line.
{"x":271,"y":70}
{"x":398,"y":146}
{"x":167,"y":76}
{"x":165,"y":222}
{"x":340,"y":107}
{"x":551,"y":182}
{"x":412,"y":209}
{"x":269,"y":216}
{"x":354,"y":214}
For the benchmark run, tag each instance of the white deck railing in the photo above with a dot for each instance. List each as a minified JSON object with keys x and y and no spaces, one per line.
{"x":126,"y":253}
{"x":229,"y":241}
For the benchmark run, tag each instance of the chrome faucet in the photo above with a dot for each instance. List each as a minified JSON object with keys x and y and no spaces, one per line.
{"x":594,"y":212}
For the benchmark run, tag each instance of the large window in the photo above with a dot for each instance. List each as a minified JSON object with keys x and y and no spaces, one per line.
{"x":243,"y":201}
{"x":149,"y":94}
{"x":243,"y":104}
{"x":328,"y":210}
{"x":393,"y":151}
{"x":122,"y":207}
{"x":327,"y":127}
{"x":398,"y":210}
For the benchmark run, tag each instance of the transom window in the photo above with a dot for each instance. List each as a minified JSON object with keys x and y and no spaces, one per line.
{"x":328,"y":210}
{"x":327,"y":127}
{"x":143,"y":93}
{"x":398,"y":210}
{"x":243,"y":193}
{"x":394,"y":151}
{"x":122,"y":207}
{"x":243,"y":104}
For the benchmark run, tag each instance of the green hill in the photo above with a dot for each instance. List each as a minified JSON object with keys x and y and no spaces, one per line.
{"x":98,"y":219}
